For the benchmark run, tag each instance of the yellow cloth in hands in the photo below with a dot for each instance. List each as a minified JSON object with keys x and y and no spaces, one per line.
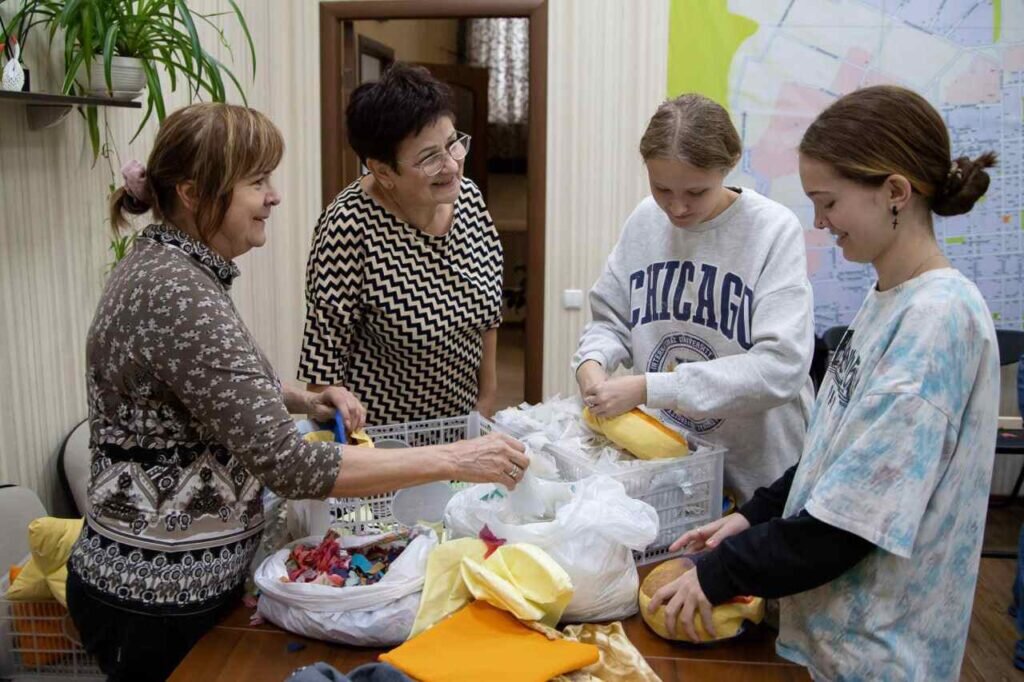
{"x":481,"y":642}
{"x":727,"y":618}
{"x":45,"y":575}
{"x":519,"y":578}
{"x":639,"y":433}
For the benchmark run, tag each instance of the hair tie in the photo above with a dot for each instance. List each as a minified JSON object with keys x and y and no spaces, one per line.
{"x":134,"y":174}
{"x":954,"y":171}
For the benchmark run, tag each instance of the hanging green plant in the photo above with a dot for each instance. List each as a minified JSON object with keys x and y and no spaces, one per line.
{"x":159,"y":34}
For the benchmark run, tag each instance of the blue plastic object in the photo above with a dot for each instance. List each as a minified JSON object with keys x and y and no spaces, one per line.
{"x":339,"y":428}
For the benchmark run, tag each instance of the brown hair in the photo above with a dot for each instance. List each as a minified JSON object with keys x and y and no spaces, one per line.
{"x":212,"y":145}
{"x":694,"y":129}
{"x":883,"y":130}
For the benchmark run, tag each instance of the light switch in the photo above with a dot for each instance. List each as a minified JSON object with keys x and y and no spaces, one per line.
{"x":572,"y":299}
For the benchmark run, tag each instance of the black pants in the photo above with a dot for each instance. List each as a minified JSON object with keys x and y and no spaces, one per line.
{"x":132,"y":646}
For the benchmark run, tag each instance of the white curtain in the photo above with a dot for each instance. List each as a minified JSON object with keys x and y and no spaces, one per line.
{"x":502,"y":46}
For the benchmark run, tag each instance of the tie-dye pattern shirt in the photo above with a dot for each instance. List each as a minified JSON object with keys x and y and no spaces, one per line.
{"x":899,"y":451}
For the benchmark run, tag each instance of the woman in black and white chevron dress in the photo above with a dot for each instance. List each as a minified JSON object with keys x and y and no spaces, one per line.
{"x":403,"y":283}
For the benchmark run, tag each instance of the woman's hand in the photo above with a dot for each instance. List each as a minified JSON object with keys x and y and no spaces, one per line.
{"x":711,"y":534}
{"x":321,"y":407}
{"x":589,"y":375}
{"x":614,"y":396}
{"x":685,"y":598}
{"x":494,"y":458}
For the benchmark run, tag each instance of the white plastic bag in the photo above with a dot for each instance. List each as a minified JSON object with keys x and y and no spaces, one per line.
{"x":594,"y":530}
{"x":367,"y":615}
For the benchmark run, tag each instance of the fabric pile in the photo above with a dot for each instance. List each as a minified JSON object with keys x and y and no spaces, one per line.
{"x":329,"y":564}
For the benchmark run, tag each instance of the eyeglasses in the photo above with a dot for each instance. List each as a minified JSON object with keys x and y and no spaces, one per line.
{"x":433,"y":164}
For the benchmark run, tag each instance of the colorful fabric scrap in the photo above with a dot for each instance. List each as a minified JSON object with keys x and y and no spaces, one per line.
{"x":330,"y":564}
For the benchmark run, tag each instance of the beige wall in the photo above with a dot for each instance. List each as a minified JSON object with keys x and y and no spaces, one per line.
{"x":599,"y":101}
{"x":433,"y":41}
{"x":53,"y":235}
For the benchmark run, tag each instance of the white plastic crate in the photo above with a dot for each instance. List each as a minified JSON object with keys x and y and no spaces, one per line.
{"x":371,"y":515}
{"x":38,"y":641}
{"x":686,"y":491}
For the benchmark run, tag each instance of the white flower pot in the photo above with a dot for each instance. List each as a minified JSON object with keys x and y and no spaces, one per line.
{"x":126,"y":75}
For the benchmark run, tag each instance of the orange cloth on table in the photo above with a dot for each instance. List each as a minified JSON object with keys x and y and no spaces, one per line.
{"x":481,"y":642}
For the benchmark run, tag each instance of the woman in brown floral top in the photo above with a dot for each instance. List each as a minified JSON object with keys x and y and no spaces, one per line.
{"x":188,"y":419}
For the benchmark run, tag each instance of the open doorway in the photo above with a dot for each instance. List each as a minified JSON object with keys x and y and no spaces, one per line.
{"x":359,"y":40}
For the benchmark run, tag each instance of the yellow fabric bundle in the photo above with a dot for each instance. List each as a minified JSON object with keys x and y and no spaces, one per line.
{"x":518,"y":578}
{"x":639,"y":433}
{"x":45,"y":575}
{"x":727,"y":618}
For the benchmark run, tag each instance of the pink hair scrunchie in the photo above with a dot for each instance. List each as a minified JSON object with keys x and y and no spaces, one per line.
{"x":134,"y":174}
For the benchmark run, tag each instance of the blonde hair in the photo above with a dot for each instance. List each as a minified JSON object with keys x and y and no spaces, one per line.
{"x":884,"y":130}
{"x":212,"y":145}
{"x":694,"y":129}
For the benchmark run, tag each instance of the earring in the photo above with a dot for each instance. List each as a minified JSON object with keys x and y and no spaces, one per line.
{"x":895,"y":217}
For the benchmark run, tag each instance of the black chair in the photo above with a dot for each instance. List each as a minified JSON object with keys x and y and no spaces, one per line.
{"x":833,"y":337}
{"x":1010,"y":441}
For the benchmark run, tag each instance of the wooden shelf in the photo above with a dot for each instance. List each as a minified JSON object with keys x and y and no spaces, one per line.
{"x":46,"y":110}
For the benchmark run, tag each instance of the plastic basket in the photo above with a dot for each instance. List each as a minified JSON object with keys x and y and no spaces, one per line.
{"x":371,"y":515}
{"x":38,"y":641}
{"x":686,"y":492}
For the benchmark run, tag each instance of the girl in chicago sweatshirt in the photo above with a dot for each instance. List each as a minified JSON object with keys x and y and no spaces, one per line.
{"x":706,"y":298}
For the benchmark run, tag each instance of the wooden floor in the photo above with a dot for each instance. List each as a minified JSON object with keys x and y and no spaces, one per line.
{"x":993,"y":635}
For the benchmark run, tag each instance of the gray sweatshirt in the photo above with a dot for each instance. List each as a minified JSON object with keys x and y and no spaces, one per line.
{"x":720,"y":320}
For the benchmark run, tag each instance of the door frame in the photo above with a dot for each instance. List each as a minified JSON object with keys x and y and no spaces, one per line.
{"x":334,"y":76}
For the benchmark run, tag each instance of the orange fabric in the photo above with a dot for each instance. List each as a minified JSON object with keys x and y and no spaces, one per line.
{"x":481,"y":642}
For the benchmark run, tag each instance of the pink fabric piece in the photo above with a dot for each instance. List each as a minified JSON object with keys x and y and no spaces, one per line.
{"x":492,"y":541}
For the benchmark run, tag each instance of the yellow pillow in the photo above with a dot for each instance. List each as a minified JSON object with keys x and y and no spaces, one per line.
{"x":728,"y":618}
{"x":45,"y":575}
{"x":639,"y":433}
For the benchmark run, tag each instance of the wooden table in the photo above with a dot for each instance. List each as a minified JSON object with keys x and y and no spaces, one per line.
{"x":235,"y":650}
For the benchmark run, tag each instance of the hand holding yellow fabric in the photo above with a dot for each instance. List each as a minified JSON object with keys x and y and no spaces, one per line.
{"x":727,"y":618}
{"x":639,"y":433}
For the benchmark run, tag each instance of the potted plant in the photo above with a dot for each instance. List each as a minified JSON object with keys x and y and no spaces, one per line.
{"x":117,"y":47}
{"x":14,"y":75}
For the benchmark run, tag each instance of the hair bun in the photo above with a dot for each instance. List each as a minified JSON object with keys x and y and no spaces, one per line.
{"x":135,"y":206}
{"x":965,"y":183}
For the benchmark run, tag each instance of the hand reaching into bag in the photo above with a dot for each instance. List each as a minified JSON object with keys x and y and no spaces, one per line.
{"x":494,"y":458}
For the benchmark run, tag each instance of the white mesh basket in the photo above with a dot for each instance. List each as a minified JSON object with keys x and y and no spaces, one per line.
{"x":372,"y":514}
{"x":38,"y":641}
{"x":686,"y":492}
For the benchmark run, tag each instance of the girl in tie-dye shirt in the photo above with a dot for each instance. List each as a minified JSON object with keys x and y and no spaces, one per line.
{"x":872,"y":540}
